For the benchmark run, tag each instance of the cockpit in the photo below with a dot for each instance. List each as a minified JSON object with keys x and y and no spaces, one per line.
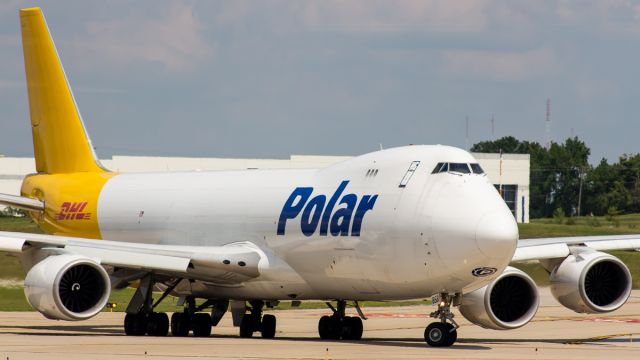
{"x":458,"y":168}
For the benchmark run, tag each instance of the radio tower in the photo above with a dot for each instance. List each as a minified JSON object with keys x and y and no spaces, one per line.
{"x":547,"y":125}
{"x":493,"y":127}
{"x":466,"y":138}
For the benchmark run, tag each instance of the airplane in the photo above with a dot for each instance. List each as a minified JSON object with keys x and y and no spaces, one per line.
{"x":410,"y":222}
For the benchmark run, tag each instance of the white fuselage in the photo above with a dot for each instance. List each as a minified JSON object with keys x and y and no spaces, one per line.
{"x":414,"y":241}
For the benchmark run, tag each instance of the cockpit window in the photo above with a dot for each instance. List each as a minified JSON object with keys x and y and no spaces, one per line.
{"x":459,"y":167}
{"x":476,"y":169}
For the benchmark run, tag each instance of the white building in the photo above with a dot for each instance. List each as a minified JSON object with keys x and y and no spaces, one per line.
{"x":509,"y":172}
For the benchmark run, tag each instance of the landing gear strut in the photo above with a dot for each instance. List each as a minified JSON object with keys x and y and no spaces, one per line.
{"x":193,"y":319}
{"x":255,"y":321}
{"x":338,"y":326}
{"x":442,"y":333}
{"x":140,"y":318}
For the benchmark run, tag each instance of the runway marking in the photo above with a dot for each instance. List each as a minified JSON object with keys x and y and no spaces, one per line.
{"x":603,"y":337}
{"x":628,"y":321}
{"x":395,"y":315}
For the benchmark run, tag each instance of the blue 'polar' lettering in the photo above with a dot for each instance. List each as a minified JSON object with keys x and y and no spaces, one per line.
{"x":314,"y":212}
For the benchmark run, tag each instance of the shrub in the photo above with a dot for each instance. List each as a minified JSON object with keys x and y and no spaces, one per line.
{"x":593,"y":221}
{"x":558,"y":216}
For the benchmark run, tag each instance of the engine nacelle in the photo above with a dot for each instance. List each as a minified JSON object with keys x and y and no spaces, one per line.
{"x":67,"y":287}
{"x":508,"y":302}
{"x":591,"y":282}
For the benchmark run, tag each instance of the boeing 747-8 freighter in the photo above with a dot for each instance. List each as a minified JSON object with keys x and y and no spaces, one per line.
{"x":403,"y":223}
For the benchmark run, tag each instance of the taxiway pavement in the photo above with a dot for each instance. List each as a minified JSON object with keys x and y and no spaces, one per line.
{"x":390,"y":333}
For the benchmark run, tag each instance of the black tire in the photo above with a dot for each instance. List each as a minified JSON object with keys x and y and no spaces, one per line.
{"x":324,"y":327}
{"x":355,"y":328}
{"x":452,"y":334}
{"x":180,"y":324}
{"x":268,"y":326}
{"x":201,"y":324}
{"x":436,"y":334}
{"x":135,"y":324}
{"x":128,"y":324}
{"x":158,"y":324}
{"x":247,"y":326}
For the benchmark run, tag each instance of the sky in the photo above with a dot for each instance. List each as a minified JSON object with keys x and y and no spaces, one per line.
{"x":268,"y":79}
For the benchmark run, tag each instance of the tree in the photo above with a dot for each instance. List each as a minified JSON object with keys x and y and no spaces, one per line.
{"x":555,"y":173}
{"x":568,"y":162}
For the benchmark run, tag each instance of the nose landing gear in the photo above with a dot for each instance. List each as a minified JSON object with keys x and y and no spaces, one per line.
{"x":442,"y":333}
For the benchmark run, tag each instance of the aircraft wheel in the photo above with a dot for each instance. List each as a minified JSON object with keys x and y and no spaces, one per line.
{"x":268,"y":326}
{"x":437,"y":334}
{"x":354,"y":327}
{"x":180,"y":324}
{"x":247,"y":326}
{"x":452,"y":334}
{"x":158,"y":324}
{"x":325,"y":328}
{"x":135,"y":324}
{"x":201,"y":325}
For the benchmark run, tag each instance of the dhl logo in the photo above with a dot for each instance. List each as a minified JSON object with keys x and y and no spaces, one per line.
{"x":73,"y":211}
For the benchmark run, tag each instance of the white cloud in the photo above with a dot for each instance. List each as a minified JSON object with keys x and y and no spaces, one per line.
{"x":393,"y":16}
{"x":173,"y":39}
{"x":498,"y":66}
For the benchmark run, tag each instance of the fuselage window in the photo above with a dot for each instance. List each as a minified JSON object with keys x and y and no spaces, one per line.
{"x":438,"y":168}
{"x":477,"y":169}
{"x":459,"y":168}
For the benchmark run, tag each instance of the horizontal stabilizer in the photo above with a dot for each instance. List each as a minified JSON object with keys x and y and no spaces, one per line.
{"x":21,"y":202}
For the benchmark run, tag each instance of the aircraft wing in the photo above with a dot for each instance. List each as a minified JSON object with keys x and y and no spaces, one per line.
{"x":234,"y":262}
{"x":560,"y":247}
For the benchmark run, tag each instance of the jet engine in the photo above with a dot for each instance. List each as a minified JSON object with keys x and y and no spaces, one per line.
{"x":67,"y":287}
{"x":591,"y":282}
{"x":508,"y":302}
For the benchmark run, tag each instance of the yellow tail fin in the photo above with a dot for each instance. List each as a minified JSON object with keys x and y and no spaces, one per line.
{"x":60,"y":141}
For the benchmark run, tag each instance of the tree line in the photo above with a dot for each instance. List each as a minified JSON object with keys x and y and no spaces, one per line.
{"x":562,"y":180}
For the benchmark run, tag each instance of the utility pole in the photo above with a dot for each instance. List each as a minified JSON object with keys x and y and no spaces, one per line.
{"x":493,"y":127}
{"x":500,"y":177}
{"x":580,"y":193}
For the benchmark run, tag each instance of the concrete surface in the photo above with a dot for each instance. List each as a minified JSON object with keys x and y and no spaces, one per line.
{"x":390,"y":333}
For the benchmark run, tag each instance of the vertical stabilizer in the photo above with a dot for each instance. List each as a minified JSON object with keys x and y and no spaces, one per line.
{"x":60,"y":141}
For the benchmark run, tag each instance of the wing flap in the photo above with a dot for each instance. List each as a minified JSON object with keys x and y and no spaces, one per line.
{"x":133,"y":260}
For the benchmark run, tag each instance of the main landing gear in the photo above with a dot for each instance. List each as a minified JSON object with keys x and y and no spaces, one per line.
{"x":254,"y":321}
{"x":141,"y":319}
{"x":338,"y":326}
{"x":442,"y":333}
{"x":194,"y":320}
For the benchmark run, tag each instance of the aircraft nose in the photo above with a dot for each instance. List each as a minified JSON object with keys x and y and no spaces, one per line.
{"x":497,"y":234}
